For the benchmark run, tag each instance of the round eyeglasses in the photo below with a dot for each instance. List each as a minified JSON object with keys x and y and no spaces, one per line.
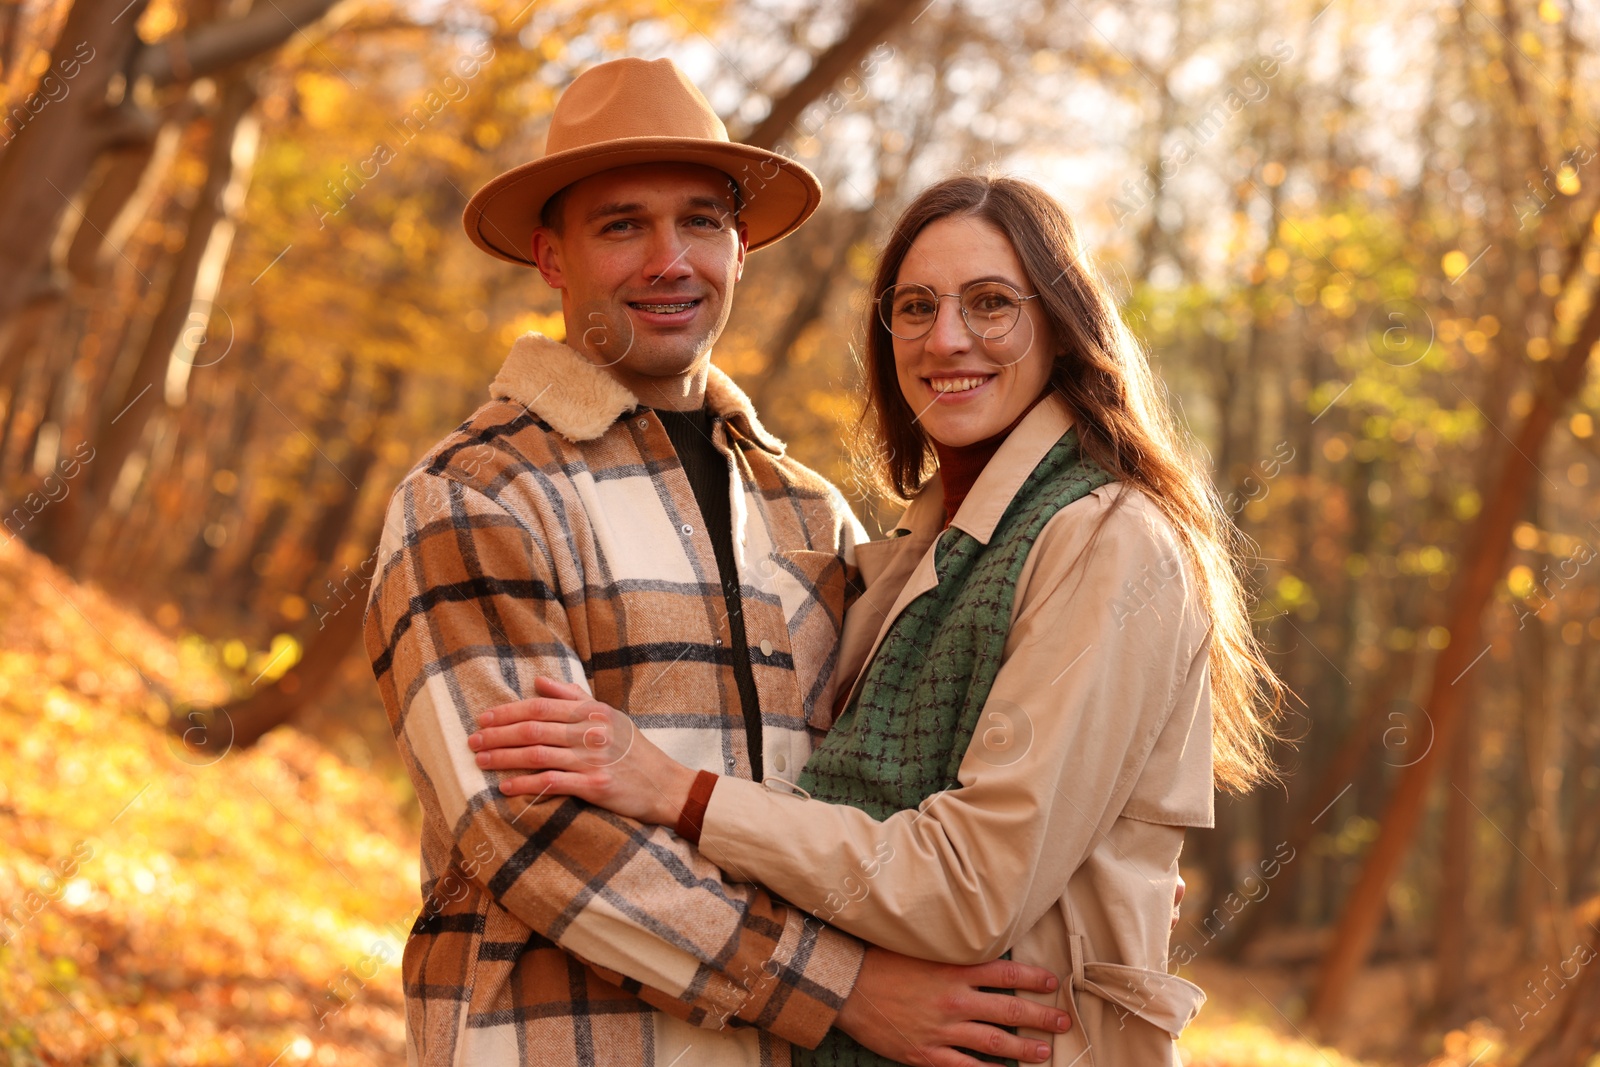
{"x":990,"y":309}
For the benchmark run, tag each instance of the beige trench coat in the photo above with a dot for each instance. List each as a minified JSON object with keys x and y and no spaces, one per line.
{"x":1093,"y":754}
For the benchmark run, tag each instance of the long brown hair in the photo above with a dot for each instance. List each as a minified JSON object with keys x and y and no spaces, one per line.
{"x":1123,"y":424}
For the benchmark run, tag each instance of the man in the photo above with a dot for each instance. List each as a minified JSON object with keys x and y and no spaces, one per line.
{"x":617,"y":516}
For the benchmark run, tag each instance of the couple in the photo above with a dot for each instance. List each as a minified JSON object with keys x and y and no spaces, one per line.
{"x":706,"y":777}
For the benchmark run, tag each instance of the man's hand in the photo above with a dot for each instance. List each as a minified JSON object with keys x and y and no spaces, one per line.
{"x":924,"y":1013}
{"x":572,"y":745}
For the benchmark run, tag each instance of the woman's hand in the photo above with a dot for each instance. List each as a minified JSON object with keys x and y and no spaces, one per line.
{"x":574,"y":746}
{"x":914,"y":1011}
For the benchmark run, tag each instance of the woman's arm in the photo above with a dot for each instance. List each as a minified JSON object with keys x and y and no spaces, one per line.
{"x":1090,"y":681}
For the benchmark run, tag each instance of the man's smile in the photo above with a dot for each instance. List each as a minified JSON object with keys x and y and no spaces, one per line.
{"x":661,"y":308}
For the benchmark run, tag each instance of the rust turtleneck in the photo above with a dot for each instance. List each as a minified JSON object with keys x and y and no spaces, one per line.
{"x":960,"y":465}
{"x":959,"y":468}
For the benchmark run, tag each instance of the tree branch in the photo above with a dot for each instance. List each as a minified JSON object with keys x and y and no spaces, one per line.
{"x":209,"y":48}
{"x":871,"y":24}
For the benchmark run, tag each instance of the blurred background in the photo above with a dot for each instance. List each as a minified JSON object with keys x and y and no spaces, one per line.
{"x":1360,"y":240}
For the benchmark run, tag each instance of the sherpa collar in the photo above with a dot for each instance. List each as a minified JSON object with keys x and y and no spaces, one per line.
{"x":580,"y":401}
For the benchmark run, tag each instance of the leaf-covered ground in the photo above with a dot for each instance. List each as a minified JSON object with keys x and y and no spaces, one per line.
{"x":166,"y":907}
{"x":161,"y":908}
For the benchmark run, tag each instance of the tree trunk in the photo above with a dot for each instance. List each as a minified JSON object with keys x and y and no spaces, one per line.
{"x":1585,"y":846}
{"x":122,"y":422}
{"x":321,"y":540}
{"x":1215,"y":852}
{"x":1543,"y":892}
{"x":254,"y":565}
{"x":813,"y":300}
{"x":21,"y":339}
{"x":1481,"y":568}
{"x":47,"y":160}
{"x":118,"y":179}
{"x":1575,"y":1037}
{"x":45,"y":164}
{"x":1451,"y":958}
{"x":1334,"y":783}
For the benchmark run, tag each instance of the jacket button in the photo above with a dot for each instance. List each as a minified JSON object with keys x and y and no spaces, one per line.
{"x":766,"y":647}
{"x":687,"y":529}
{"x":779,"y":763}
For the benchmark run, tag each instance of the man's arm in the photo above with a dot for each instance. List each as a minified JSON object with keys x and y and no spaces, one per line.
{"x":465,"y":613}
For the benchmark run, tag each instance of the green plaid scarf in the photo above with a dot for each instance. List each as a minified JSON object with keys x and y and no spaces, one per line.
{"x":902,"y":738}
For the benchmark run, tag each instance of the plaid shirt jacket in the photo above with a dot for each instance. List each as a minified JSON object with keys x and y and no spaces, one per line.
{"x":555,"y":533}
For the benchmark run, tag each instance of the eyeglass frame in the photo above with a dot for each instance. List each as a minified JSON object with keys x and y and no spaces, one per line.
{"x":962,"y":308}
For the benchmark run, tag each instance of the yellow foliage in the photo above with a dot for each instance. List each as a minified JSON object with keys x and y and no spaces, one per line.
{"x":160,"y":20}
{"x":1520,"y":580}
{"x":322,"y":98}
{"x":551,"y":324}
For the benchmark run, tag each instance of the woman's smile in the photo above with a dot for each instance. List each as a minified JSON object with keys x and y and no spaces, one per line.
{"x":958,"y":387}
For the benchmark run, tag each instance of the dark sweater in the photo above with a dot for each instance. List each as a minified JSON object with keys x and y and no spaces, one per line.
{"x":707,"y":471}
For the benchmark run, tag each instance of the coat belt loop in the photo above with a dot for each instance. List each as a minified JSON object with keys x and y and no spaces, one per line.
{"x":1157,"y":997}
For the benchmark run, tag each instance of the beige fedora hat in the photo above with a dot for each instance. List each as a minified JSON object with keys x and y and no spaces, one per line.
{"x":637,"y":111}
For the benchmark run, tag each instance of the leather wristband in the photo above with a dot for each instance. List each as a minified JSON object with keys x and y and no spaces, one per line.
{"x":693,"y":816}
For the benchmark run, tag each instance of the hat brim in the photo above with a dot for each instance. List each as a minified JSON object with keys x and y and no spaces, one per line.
{"x":778,"y":194}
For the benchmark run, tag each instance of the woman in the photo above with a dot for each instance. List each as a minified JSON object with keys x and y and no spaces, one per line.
{"x":1053,"y":661}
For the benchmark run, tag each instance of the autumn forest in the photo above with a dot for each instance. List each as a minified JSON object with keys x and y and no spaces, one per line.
{"x":1360,"y":242}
